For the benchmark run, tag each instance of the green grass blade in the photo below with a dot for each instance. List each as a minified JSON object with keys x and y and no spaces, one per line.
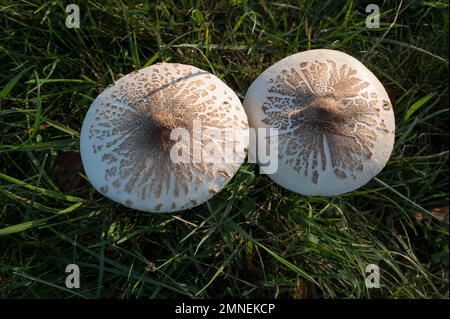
{"x":416,"y":106}
{"x":10,"y":85}
{"x":41,"y":190}
{"x":37,"y":222}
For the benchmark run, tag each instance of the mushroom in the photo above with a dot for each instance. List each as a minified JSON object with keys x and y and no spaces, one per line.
{"x":164,"y":138}
{"x":334,"y":120}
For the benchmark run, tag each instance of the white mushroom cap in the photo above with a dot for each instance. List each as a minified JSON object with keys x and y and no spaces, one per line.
{"x":335,"y":121}
{"x":126,"y":140}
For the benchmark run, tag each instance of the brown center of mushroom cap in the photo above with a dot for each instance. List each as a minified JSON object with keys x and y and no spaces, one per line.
{"x":161,"y":122}
{"x":324,"y":112}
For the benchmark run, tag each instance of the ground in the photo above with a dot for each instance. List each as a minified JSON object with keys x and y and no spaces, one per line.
{"x":254,"y":239}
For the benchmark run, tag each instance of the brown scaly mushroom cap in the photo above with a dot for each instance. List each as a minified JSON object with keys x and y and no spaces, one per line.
{"x":127,"y":149}
{"x":335,"y":121}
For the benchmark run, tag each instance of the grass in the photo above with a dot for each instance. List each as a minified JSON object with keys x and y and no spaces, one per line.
{"x":254,"y":239}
